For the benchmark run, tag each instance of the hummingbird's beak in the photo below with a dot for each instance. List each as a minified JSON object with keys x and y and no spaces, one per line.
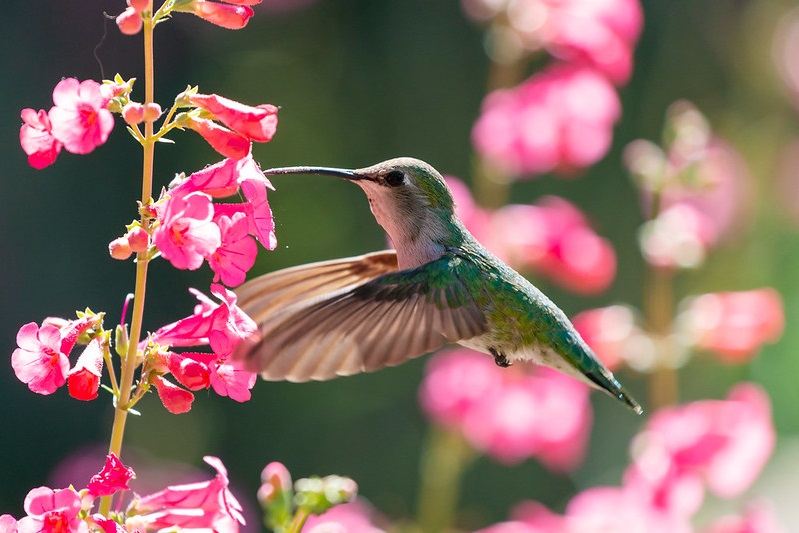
{"x":326,"y":171}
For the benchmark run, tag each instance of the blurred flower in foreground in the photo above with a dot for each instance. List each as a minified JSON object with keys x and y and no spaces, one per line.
{"x":733,"y":325}
{"x":552,"y":238}
{"x":353,"y":517}
{"x":597,"y":33}
{"x":758,"y":517}
{"x":561,"y":119}
{"x":612,"y":333}
{"x":508,"y":415}
{"x":719,"y":444}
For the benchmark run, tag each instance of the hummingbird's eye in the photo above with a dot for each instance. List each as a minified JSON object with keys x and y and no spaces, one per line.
{"x":395,"y":178}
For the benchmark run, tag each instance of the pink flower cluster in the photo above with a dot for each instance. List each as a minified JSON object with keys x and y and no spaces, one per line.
{"x":719,"y":445}
{"x":190,"y":228}
{"x":506,"y":414}
{"x":232,"y":14}
{"x":42,"y":358}
{"x":221,"y":325}
{"x":207,"y":504}
{"x":552,"y":238}
{"x":560,"y":119}
{"x":78,"y":122}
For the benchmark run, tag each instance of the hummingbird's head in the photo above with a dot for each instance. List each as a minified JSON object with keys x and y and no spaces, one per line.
{"x":409,"y":198}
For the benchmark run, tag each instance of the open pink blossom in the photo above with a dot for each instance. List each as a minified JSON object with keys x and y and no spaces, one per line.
{"x":112,"y":478}
{"x":226,"y":142}
{"x":80,"y":119}
{"x":186,"y":233}
{"x":353,"y":517}
{"x":52,"y":511}
{"x":8,"y":524}
{"x":192,"y":370}
{"x":734,"y":325}
{"x":230,"y":16}
{"x":83,"y":381}
{"x":236,"y":253}
{"x":206,"y":504}
{"x":236,"y":383}
{"x":255,"y":123}
{"x":175,"y":399}
{"x":38,"y":361}
{"x":560,"y":119}
{"x":36,"y":138}
{"x":720,"y":444}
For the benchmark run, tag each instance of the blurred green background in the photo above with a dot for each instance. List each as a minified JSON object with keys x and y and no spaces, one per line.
{"x":359,"y":81}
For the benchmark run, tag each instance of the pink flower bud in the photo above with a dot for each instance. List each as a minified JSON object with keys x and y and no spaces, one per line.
{"x":231,"y":17}
{"x":139,"y":5}
{"x":119,"y":248}
{"x":133,"y":113}
{"x":151,"y":112}
{"x":83,"y":381}
{"x":138,"y":239}
{"x":277,"y":477}
{"x":129,"y":21}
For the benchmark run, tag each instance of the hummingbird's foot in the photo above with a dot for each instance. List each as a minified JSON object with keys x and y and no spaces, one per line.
{"x":499,"y":358}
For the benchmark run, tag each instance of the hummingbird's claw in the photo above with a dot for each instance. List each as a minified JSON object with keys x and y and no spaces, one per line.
{"x":499,"y":358}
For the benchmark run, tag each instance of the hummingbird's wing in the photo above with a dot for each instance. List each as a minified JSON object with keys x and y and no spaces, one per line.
{"x":342,"y":317}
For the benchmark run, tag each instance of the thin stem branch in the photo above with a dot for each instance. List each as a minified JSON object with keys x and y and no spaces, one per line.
{"x":299,"y":520}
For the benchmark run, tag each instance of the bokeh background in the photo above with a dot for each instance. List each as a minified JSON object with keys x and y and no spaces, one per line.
{"x":359,"y":81}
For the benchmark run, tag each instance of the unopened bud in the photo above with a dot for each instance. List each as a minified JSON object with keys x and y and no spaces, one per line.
{"x":129,"y":22}
{"x":119,"y":248}
{"x":276,"y":479}
{"x":151,"y":112}
{"x":133,"y":113}
{"x":138,"y":239}
{"x":139,"y":5}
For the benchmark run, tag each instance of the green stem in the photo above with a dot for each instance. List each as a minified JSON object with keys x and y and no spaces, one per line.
{"x":445,"y":458}
{"x":299,"y":521}
{"x":129,"y":363}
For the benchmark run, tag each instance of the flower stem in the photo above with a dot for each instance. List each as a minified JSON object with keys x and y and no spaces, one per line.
{"x":298,"y":521}
{"x":445,"y":458}
{"x":129,"y":363}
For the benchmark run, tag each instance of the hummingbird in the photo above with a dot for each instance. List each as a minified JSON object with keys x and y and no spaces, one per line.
{"x":439,"y":285}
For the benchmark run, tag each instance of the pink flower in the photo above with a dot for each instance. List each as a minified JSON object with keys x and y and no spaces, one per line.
{"x":553,"y":238}
{"x":734,"y":325}
{"x":175,"y":399}
{"x":207,"y":504}
{"x":255,"y":123}
{"x":186,"y":233}
{"x":190,"y":369}
{"x":232,"y":17}
{"x":129,"y":22}
{"x":39,"y":361}
{"x":561,"y":119}
{"x":80,"y":119}
{"x":275,"y":481}
{"x":228,"y":143}
{"x":52,"y":511}
{"x":83,"y":381}
{"x":8,"y":524}
{"x":112,"y":478}
{"x":506,"y":414}
{"x":36,"y":138}
{"x":758,"y":517}
{"x":236,"y":254}
{"x":227,"y":380}
{"x":353,"y":517}
{"x":721,"y":444}
{"x":611,"y":333}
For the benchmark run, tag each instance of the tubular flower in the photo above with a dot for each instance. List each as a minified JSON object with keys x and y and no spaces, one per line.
{"x":186,"y":233}
{"x":112,"y":478}
{"x":36,"y":138}
{"x":228,"y":143}
{"x":83,"y":380}
{"x":255,"y":123}
{"x":232,"y":16}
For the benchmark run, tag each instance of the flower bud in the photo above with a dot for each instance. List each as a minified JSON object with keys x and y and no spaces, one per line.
{"x":133,"y":113}
{"x":119,"y":248}
{"x":139,"y":5}
{"x":129,"y":21}
{"x":138,"y":239}
{"x":151,"y":112}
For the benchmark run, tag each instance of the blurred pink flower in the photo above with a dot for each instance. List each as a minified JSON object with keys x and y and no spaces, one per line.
{"x":83,"y":381}
{"x":255,"y":123}
{"x":734,"y":325}
{"x":112,"y":478}
{"x":207,"y":504}
{"x":553,"y":239}
{"x":758,"y":517}
{"x":505,"y":414}
{"x":36,"y":138}
{"x":80,"y":119}
{"x":176,"y":400}
{"x":560,"y":119}
{"x":8,"y":524}
{"x":721,"y":444}
{"x":784,"y":46}
{"x":609,"y":331}
{"x":52,"y":511}
{"x":275,"y":480}
{"x":236,"y":253}
{"x":39,"y":361}
{"x":186,"y":233}
{"x":353,"y":517}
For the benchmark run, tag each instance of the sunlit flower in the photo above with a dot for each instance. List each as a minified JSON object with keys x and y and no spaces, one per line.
{"x":560,"y":119}
{"x":79,"y":118}
{"x":226,"y":142}
{"x":52,"y":511}
{"x":236,"y":253}
{"x":39,"y":362}
{"x":175,"y":399}
{"x":232,"y":17}
{"x":186,"y":233}
{"x":129,"y":23}
{"x":112,"y":478}
{"x":83,"y":381}
{"x":255,"y":123}
{"x":37,"y":140}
